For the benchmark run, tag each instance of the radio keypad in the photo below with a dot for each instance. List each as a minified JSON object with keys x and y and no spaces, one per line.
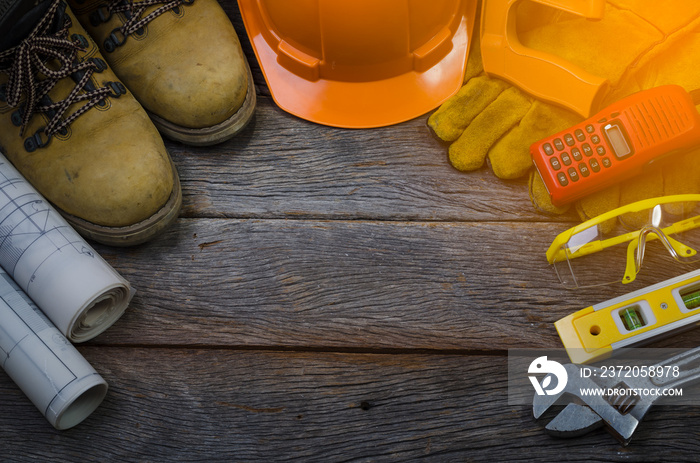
{"x":563,"y":180}
{"x":583,"y":168}
{"x":582,"y":145}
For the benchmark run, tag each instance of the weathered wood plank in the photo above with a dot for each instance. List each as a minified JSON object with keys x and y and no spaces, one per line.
{"x":347,"y":285}
{"x":221,"y":405}
{"x":281,"y":166}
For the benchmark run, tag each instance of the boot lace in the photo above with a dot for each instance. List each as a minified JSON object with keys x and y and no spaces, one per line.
{"x":133,"y":11}
{"x":51,"y":54}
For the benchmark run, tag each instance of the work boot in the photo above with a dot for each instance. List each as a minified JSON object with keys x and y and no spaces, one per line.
{"x":181,"y":59}
{"x":75,"y":132}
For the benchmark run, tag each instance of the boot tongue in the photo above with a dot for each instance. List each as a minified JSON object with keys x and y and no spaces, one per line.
{"x":21,"y":19}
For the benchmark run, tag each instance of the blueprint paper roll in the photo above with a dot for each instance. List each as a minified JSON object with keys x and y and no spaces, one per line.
{"x":77,"y":290}
{"x":43,"y":363}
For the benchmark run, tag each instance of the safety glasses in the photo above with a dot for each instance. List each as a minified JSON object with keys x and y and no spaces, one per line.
{"x":611,"y":247}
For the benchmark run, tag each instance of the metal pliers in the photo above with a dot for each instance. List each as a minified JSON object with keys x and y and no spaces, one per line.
{"x":620,"y":413}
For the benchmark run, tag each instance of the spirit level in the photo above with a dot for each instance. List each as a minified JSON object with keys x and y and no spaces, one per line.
{"x":636,"y":318}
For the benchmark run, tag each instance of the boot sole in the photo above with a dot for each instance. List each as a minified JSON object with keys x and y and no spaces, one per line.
{"x":137,"y":233}
{"x":217,"y":133}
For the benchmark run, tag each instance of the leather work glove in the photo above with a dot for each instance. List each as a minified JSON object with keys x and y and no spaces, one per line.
{"x":637,"y":45}
{"x":489,"y":119}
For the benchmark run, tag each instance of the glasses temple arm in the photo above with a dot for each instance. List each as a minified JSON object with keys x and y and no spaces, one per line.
{"x":600,"y":245}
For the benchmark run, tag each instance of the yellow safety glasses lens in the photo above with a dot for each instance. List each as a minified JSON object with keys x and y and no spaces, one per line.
{"x":612,"y":247}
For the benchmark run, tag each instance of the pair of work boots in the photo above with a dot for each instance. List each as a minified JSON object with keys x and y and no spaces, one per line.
{"x":85,"y":88}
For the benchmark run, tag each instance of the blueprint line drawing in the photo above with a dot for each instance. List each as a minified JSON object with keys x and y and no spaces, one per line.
{"x":43,"y":363}
{"x":71,"y":283}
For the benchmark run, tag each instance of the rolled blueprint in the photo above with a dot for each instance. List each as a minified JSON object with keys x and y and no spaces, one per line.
{"x":76,"y":289}
{"x":43,"y":363}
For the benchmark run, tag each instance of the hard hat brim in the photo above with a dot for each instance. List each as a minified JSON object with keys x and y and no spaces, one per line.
{"x":364,"y":104}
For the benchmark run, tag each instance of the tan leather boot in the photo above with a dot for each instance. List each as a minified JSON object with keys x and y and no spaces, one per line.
{"x":79,"y":137}
{"x":181,"y":59}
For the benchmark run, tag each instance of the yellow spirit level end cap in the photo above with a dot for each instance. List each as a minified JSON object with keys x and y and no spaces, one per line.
{"x":572,"y":342}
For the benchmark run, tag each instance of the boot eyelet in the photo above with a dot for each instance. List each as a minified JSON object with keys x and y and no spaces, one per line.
{"x":116,"y":38}
{"x":16,"y":118}
{"x":100,"y":15}
{"x":36,"y":141}
{"x":63,"y":134}
{"x":80,"y":40}
{"x":117,"y":89}
{"x":99,"y":63}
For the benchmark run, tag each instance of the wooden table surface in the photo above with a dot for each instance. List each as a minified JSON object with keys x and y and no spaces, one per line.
{"x":333,"y":295}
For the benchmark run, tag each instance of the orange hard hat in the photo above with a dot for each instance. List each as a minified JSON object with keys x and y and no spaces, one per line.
{"x":360,"y":63}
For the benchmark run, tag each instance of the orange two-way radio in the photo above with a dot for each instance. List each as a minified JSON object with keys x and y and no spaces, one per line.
{"x":617,"y":142}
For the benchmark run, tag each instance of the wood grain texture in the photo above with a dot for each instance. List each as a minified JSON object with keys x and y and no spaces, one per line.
{"x":333,"y":295}
{"x":345,"y":284}
{"x":222,"y":405}
{"x":287,"y":168}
